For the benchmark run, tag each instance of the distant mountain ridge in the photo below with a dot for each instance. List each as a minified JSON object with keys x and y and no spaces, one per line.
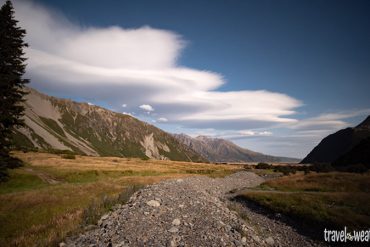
{"x":221,"y":150}
{"x":341,"y":145}
{"x":53,"y":123}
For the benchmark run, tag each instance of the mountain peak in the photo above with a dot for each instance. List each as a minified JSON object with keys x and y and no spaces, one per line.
{"x":216,"y":149}
{"x":364,"y":124}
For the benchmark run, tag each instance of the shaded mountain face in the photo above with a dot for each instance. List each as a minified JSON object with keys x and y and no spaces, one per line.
{"x":335,"y":145}
{"x":360,"y":154}
{"x":220,"y":150}
{"x":52,"y":123}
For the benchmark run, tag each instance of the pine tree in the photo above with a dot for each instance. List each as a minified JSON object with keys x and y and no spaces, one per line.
{"x":12,"y":68}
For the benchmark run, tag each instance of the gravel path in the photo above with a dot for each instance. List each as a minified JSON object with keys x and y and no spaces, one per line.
{"x":187,"y":212}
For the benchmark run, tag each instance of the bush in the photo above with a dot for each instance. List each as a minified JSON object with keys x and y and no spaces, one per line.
{"x":357,"y":168}
{"x":263,"y":166}
{"x":125,"y":195}
{"x":97,"y":208}
{"x":68,"y":156}
{"x":322,"y":168}
{"x":145,"y":158}
{"x":8,"y":162}
{"x":286,"y":170}
{"x":59,"y":151}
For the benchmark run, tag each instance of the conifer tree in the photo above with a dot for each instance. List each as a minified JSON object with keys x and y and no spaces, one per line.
{"x":12,"y":68}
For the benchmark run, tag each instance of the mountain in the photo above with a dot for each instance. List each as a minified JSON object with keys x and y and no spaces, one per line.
{"x":220,"y":150}
{"x":360,"y":154}
{"x":53,"y":123}
{"x":335,"y":145}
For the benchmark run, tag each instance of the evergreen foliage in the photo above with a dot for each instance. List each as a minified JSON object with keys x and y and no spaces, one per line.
{"x":12,"y":68}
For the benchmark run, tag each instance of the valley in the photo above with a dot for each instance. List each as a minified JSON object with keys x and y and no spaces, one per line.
{"x":36,"y":211}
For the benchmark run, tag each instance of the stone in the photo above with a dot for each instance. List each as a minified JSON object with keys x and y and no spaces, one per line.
{"x":62,"y":244}
{"x":244,"y":240}
{"x":104,"y":217}
{"x":173,"y":229}
{"x":153,"y":203}
{"x":256,"y":238}
{"x":176,"y":222}
{"x":270,"y":241}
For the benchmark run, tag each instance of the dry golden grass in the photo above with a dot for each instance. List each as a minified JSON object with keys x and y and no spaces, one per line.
{"x":328,"y":200}
{"x":333,"y":181}
{"x":36,"y":212}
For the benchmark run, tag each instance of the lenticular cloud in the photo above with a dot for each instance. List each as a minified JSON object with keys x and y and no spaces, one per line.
{"x":138,"y":67}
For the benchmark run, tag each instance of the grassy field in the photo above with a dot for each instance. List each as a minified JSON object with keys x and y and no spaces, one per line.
{"x":52,"y":197}
{"x":331,"y":200}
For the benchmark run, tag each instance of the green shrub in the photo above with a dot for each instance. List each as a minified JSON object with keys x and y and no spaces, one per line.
{"x":264,"y":166}
{"x":68,"y":156}
{"x":145,"y":158}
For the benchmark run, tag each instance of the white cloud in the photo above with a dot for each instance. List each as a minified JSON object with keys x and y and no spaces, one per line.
{"x":112,"y":63}
{"x":147,"y":108}
{"x":162,"y":120}
{"x":124,"y":105}
{"x":89,"y":103}
{"x":328,"y":121}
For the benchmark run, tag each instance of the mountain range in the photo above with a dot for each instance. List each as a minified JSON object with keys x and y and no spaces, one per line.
{"x":221,"y":150}
{"x":60,"y":124}
{"x":345,"y":147}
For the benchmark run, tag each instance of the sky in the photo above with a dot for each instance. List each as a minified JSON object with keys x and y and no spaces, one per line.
{"x":272,"y":76}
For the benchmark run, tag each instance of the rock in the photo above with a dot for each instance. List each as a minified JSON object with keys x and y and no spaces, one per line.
{"x":62,"y":244}
{"x":173,"y":229}
{"x":153,"y":203}
{"x":244,"y":240}
{"x":104,"y":217}
{"x":256,"y":238}
{"x":270,"y":241}
{"x":173,"y":243}
{"x":176,"y":222}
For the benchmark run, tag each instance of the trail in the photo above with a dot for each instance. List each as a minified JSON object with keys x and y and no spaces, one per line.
{"x":188,"y":212}
{"x":43,"y":176}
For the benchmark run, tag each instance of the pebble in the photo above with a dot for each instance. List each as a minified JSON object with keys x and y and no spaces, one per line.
{"x":173,"y":229}
{"x":153,"y":203}
{"x":176,"y":222}
{"x":270,"y":241}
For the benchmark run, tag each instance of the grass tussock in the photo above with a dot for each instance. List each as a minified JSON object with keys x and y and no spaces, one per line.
{"x":36,"y":212}
{"x":325,"y":199}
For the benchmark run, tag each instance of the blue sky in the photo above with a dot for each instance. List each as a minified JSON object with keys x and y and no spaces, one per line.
{"x":284,"y":74}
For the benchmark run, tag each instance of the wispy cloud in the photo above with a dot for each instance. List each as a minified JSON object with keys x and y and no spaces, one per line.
{"x":162,"y":120}
{"x":112,"y":64}
{"x":125,"y":68}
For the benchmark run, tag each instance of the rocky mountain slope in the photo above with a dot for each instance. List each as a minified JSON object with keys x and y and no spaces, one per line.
{"x":335,"y":145}
{"x":220,"y":150}
{"x":53,"y":123}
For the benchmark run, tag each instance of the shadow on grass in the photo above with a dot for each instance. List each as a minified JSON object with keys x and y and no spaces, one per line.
{"x":308,"y":229}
